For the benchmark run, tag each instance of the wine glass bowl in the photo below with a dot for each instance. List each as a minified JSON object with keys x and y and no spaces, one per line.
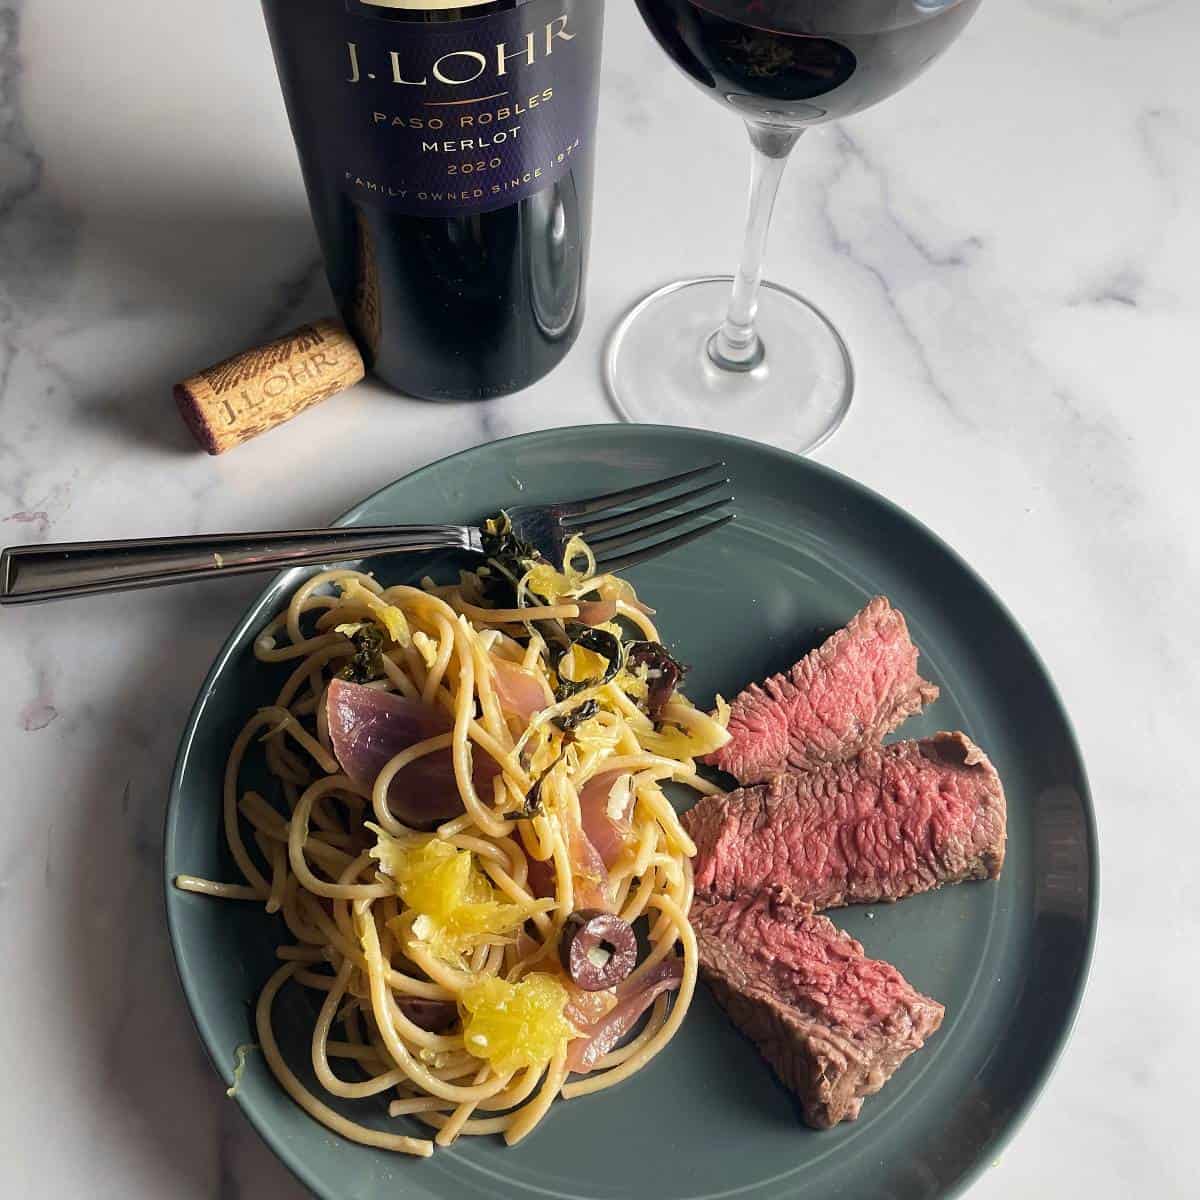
{"x":732,"y":353}
{"x":804,"y":62}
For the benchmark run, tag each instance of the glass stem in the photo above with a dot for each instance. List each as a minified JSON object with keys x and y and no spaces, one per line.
{"x":736,"y":346}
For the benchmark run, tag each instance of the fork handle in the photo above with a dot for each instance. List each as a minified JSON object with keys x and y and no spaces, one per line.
{"x":31,"y":574}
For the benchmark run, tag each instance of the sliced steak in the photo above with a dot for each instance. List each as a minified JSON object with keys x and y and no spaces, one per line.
{"x":899,"y":820}
{"x":843,"y":697}
{"x":832,"y":1023}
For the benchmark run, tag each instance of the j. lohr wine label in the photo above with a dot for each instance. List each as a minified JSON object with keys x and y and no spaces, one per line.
{"x":463,"y":116}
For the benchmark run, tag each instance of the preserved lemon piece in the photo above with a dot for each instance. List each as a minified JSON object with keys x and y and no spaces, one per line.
{"x":579,"y":665}
{"x":453,"y":903}
{"x":515,"y":1025}
{"x":549,"y":584}
{"x":684,"y":732}
{"x":634,"y":683}
{"x":579,"y":565}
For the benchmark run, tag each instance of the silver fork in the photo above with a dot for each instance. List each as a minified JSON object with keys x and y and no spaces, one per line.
{"x":615,"y":525}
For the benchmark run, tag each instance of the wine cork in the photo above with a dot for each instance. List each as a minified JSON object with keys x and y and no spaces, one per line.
{"x":244,"y":396}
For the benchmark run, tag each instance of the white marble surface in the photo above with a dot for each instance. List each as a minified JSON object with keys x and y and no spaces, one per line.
{"x":1011,"y":247}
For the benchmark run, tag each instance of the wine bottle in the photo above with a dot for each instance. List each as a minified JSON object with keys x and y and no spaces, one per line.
{"x":447,"y":148}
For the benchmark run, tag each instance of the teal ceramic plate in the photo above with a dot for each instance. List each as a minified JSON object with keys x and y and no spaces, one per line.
{"x":706,"y":1118}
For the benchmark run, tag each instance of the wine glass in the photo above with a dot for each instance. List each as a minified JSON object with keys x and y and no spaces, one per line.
{"x":773,"y":365}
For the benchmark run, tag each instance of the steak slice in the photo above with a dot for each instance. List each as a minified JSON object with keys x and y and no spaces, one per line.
{"x":834,"y":1024}
{"x":846,"y":695}
{"x":896,"y":821}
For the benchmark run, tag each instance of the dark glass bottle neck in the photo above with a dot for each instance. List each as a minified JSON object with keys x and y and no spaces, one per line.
{"x":466,"y":12}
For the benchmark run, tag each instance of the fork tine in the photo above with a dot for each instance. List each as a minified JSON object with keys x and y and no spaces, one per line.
{"x":601,"y":546}
{"x":589,"y":529}
{"x":622,"y":562}
{"x":614,"y":499}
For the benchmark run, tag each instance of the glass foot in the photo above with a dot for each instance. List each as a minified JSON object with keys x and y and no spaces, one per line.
{"x":659,"y":371}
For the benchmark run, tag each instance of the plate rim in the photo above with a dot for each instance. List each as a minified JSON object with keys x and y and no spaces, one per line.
{"x":170,"y":896}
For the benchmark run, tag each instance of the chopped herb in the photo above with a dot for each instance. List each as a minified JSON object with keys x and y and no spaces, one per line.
{"x":600,"y":641}
{"x":568,"y":722}
{"x":533,"y":802}
{"x":500,"y":542}
{"x":367,"y":663}
{"x":509,"y":560}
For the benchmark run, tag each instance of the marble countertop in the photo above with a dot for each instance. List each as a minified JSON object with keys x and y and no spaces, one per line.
{"x":1011,"y":247}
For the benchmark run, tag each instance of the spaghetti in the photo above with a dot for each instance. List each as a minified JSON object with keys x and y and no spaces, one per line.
{"x":434,"y":949}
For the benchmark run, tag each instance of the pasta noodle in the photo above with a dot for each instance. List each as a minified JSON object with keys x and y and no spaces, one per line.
{"x":347,"y":873}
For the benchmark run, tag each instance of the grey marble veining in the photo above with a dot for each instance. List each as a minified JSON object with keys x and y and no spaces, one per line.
{"x":1010,"y":248}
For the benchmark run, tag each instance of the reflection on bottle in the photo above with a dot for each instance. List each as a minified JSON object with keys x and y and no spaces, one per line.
{"x":551,"y":222}
{"x":367,"y":316}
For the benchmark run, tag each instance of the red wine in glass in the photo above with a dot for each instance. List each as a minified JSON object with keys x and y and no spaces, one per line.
{"x":805,"y":61}
{"x":775,"y":365}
